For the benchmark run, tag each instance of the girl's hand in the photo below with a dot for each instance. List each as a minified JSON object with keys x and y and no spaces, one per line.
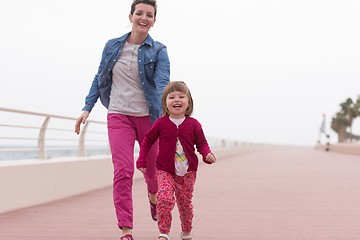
{"x":143,"y":170}
{"x":210,"y":158}
{"x":81,"y":119}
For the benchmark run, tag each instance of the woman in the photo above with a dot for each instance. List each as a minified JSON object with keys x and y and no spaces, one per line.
{"x":132,"y":75}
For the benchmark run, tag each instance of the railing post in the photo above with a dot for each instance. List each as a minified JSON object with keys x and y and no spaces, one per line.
{"x":82,"y":152}
{"x":223,"y":143}
{"x":109,"y":149}
{"x":41,"y":139}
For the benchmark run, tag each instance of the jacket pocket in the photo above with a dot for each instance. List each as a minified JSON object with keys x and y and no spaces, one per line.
{"x":149,"y":67}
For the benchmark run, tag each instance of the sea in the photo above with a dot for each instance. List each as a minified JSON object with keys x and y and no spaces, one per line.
{"x":33,"y":154}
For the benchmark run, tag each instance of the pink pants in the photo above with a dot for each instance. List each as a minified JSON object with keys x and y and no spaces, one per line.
{"x":123,"y":131}
{"x":183,"y":187}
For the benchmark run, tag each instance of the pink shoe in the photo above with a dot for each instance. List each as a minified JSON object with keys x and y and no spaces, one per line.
{"x":127,"y":237}
{"x":153,"y":210}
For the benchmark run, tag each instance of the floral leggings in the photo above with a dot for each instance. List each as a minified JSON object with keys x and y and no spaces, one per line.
{"x":183,"y":187}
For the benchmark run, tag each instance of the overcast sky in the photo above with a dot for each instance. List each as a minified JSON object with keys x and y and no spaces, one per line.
{"x":259,"y":71}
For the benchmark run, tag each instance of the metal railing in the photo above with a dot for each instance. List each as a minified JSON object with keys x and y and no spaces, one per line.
{"x":25,"y":120}
{"x":95,"y":131}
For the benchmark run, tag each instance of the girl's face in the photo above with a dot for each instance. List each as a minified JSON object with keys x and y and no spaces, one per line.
{"x":177,"y":103}
{"x":143,"y":18}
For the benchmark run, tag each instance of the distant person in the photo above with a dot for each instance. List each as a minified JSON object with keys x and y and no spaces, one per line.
{"x":132,"y":75}
{"x":177,"y":163}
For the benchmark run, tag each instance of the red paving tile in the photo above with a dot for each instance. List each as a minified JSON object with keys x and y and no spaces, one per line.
{"x":284,"y":193}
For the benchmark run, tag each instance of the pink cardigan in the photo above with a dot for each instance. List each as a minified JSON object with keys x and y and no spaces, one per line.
{"x":190,"y":133}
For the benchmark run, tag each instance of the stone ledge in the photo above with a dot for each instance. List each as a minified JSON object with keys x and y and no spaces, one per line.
{"x":348,"y":148}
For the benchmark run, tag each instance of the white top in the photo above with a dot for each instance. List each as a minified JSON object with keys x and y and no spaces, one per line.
{"x":127,"y":96}
{"x":177,"y":121}
{"x":181,"y":161}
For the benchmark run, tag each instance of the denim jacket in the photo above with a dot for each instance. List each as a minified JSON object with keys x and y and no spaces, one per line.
{"x":154,"y":72}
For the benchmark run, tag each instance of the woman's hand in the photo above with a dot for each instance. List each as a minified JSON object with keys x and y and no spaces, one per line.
{"x":210,"y":158}
{"x":81,"y":119}
{"x":143,"y":170}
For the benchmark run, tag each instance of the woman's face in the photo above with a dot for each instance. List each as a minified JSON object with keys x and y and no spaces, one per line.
{"x":143,"y":18}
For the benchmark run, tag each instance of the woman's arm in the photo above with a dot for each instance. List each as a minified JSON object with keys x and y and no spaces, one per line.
{"x":81,"y":119}
{"x":93,"y":94}
{"x":162,"y":70}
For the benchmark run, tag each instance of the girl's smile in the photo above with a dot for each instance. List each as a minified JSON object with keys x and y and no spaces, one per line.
{"x":177,"y":104}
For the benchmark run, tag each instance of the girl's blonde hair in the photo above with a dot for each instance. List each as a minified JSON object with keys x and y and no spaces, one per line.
{"x":177,"y":86}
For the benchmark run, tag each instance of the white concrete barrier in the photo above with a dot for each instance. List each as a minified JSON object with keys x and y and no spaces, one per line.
{"x":25,"y":183}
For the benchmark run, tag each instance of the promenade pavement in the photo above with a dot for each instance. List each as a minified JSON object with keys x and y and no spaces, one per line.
{"x":273,"y":193}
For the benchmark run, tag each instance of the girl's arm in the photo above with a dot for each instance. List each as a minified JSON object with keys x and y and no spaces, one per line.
{"x":145,"y":147}
{"x":210,"y":157}
{"x":202,"y":145}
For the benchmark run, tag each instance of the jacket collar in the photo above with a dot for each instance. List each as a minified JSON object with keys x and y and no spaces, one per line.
{"x":149,"y":41}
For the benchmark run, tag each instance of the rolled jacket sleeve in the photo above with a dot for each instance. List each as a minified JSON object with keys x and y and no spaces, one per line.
{"x":93,"y":94}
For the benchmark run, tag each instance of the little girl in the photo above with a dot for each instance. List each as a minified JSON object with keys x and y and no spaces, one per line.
{"x":177,"y":162}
